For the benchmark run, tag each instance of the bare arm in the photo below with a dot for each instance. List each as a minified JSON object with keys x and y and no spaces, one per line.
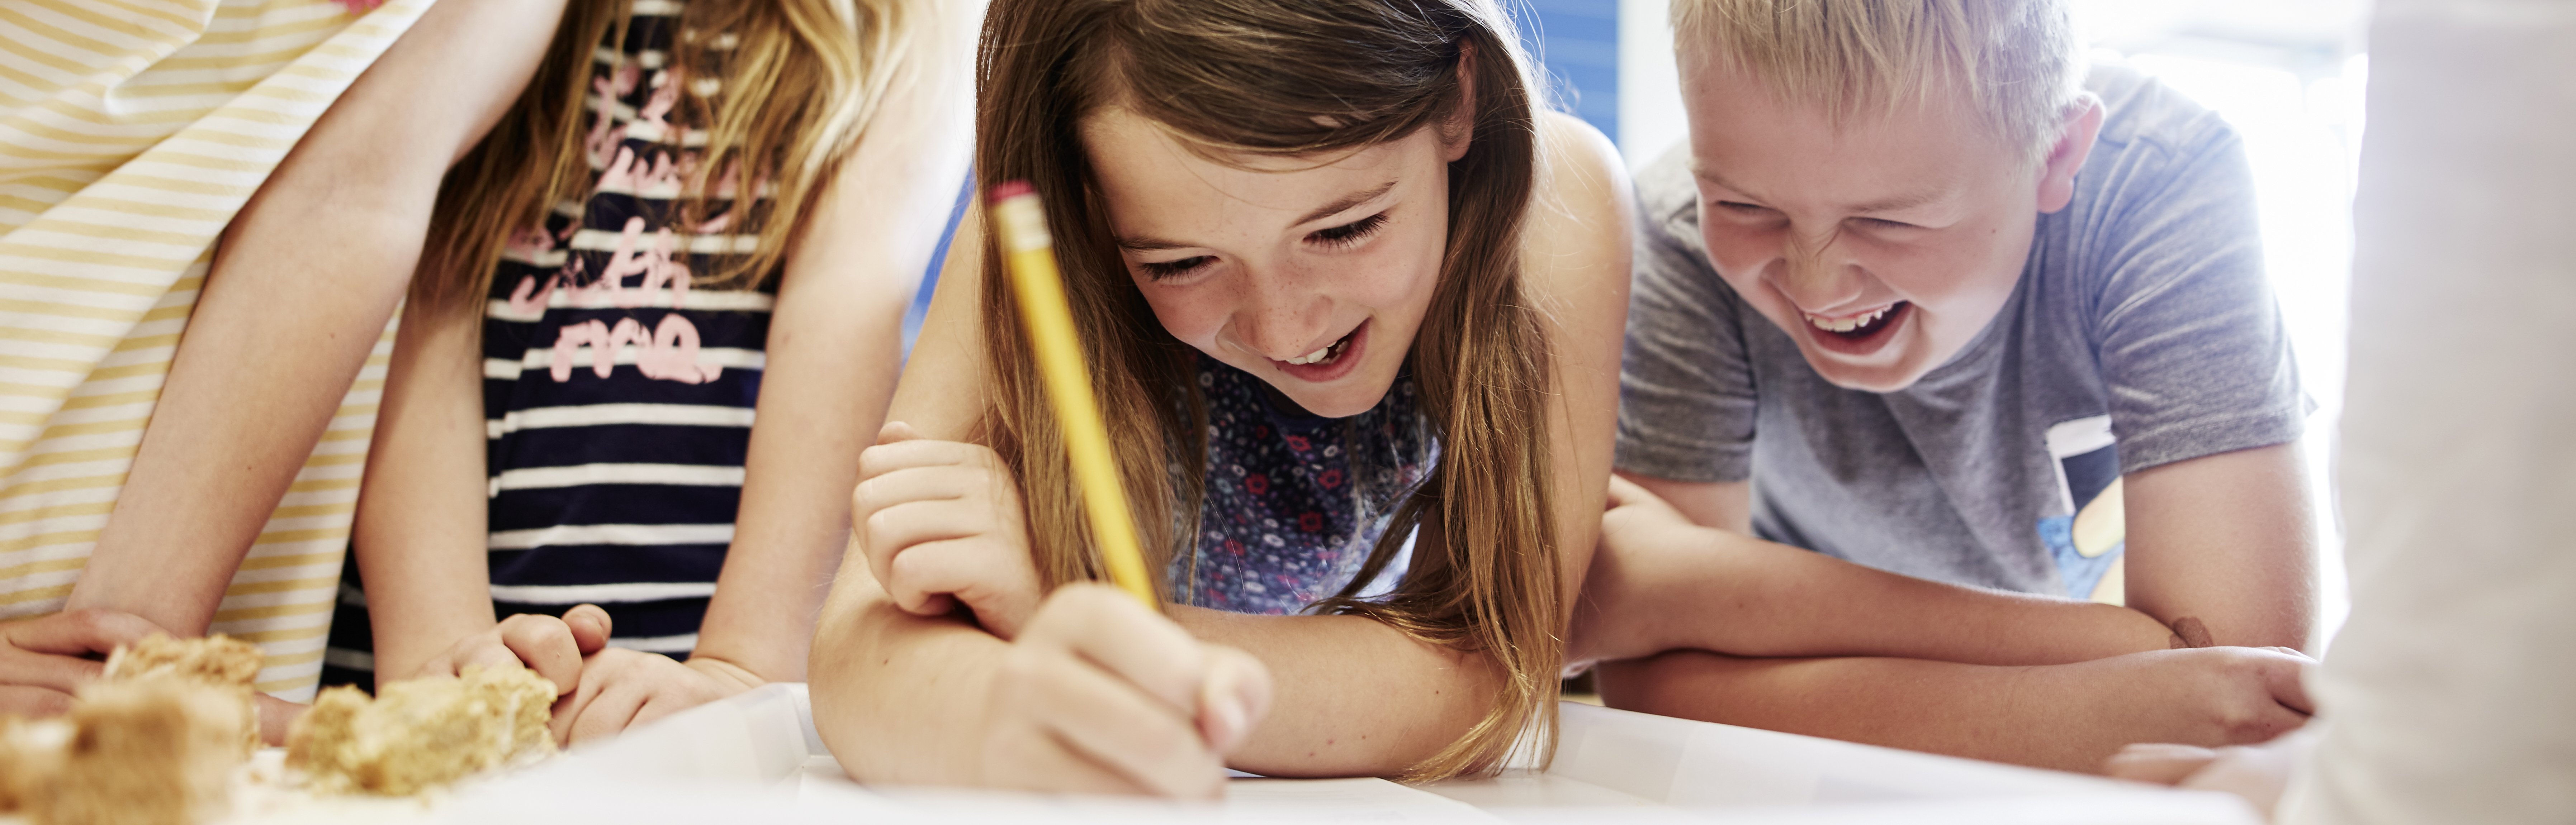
{"x":422,"y":510}
{"x":248,"y":396}
{"x":835,"y":346}
{"x":1724,"y":505}
{"x":2225,"y":542}
{"x":1664,"y":583}
{"x":2068,"y":717}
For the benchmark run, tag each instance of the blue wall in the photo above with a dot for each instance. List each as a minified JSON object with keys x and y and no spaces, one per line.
{"x":1577,"y":45}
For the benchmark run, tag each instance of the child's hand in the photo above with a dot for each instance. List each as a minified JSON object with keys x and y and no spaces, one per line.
{"x":941,"y":524}
{"x":623,"y":688}
{"x":2209,"y":697}
{"x":1100,"y":695}
{"x":2259,"y":773}
{"x":44,"y":659}
{"x":552,"y":647}
{"x":1642,"y":538}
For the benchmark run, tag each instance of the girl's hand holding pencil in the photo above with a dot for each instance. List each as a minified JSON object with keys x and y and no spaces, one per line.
{"x":1101,"y":695}
{"x":1098,"y":693}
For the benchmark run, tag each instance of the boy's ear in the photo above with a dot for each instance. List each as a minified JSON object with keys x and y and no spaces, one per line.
{"x":2074,"y":144}
{"x":1458,"y":128}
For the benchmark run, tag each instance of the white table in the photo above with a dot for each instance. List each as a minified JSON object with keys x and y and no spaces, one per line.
{"x":755,"y":757}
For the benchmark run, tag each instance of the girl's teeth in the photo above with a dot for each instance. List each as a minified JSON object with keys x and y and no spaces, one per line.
{"x":1312,"y":357}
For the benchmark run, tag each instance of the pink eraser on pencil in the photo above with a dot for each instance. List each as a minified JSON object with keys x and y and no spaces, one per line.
{"x":1009,"y":189}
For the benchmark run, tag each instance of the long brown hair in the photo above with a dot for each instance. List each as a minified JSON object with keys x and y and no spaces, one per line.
{"x":798,"y":81}
{"x":1295,"y":78}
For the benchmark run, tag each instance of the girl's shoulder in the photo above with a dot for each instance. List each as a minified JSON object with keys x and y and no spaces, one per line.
{"x":1576,"y":243}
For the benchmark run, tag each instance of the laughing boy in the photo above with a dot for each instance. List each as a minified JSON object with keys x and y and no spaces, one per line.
{"x":1925,"y":293}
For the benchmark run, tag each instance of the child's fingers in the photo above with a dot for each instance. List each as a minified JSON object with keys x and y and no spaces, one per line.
{"x":1002,"y":591}
{"x":610,"y":712}
{"x":2285,"y":679}
{"x":1103,"y":717}
{"x":544,"y":644}
{"x":569,"y":707}
{"x":33,"y":702}
{"x":81,"y":632}
{"x":2159,"y":763}
{"x":1043,"y":763}
{"x":1108,"y":627}
{"x":48,"y":671}
{"x":1624,"y":492}
{"x":894,"y":431}
{"x":895,"y":488}
{"x":1233,"y":698}
{"x":923,"y":452}
{"x":488,"y":652}
{"x":655,"y":707}
{"x":891,"y":529}
{"x":590,"y":626}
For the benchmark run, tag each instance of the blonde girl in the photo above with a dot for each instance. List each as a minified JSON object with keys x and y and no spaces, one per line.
{"x":657,"y":320}
{"x":1353,"y":304}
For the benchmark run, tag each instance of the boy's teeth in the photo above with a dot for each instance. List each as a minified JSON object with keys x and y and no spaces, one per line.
{"x":1312,"y":357}
{"x":1851,"y":323}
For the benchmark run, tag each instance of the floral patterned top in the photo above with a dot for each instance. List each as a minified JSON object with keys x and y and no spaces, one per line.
{"x":1295,"y":501}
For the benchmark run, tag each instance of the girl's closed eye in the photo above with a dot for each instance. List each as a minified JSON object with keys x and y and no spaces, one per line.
{"x":1349,"y":233}
{"x":1163,"y":270}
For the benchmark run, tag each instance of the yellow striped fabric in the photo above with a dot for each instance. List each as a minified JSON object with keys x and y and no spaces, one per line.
{"x":131,"y":131}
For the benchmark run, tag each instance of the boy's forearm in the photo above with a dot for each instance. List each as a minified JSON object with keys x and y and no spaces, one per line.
{"x":1353,"y":697}
{"x":2004,"y":714}
{"x":1749,"y":597}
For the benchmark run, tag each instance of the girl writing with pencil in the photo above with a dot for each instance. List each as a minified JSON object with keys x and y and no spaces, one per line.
{"x":1341,"y":285}
{"x":1352,"y":307}
{"x":658,"y":318}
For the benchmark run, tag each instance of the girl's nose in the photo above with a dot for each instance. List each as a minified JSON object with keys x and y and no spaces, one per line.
{"x":1281,"y":317}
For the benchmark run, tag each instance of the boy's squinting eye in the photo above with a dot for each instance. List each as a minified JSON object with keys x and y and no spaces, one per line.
{"x":1883,"y":223}
{"x":1160,"y":270}
{"x":1349,"y":233}
{"x":1742,"y":207}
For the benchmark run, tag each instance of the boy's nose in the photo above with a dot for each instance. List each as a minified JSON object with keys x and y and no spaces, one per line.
{"x":1815,"y":278}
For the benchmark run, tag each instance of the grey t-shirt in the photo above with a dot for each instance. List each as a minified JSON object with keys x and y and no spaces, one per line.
{"x":2142,"y":332}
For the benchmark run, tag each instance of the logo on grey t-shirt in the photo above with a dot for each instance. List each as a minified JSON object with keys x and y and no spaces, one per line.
{"x":2086,"y":543}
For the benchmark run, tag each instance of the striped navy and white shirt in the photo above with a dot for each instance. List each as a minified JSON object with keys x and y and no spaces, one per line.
{"x":617,"y":397}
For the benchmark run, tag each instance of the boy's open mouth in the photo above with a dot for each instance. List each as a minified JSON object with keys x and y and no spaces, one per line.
{"x":1858,"y":334}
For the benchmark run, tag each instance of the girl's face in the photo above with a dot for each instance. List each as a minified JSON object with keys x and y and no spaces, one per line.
{"x":1312,"y":273}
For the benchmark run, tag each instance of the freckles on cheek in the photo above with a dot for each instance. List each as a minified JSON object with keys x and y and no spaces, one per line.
{"x":1185,"y":313}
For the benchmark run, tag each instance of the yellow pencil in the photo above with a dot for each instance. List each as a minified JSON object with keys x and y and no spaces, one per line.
{"x":1030,"y":253}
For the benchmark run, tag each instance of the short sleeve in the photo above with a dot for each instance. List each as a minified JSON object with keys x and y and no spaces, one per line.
{"x":1686,"y":390}
{"x":2193,"y":350}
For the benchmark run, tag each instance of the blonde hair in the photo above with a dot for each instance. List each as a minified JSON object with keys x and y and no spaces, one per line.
{"x":1294,"y":78}
{"x":797,"y":82}
{"x":2015,"y":59}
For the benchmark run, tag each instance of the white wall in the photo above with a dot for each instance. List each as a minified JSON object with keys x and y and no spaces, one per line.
{"x":1650,"y":92}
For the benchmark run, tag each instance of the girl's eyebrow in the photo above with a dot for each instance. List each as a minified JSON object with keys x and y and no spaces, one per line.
{"x":1345,"y":202}
{"x":1141,"y":243}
